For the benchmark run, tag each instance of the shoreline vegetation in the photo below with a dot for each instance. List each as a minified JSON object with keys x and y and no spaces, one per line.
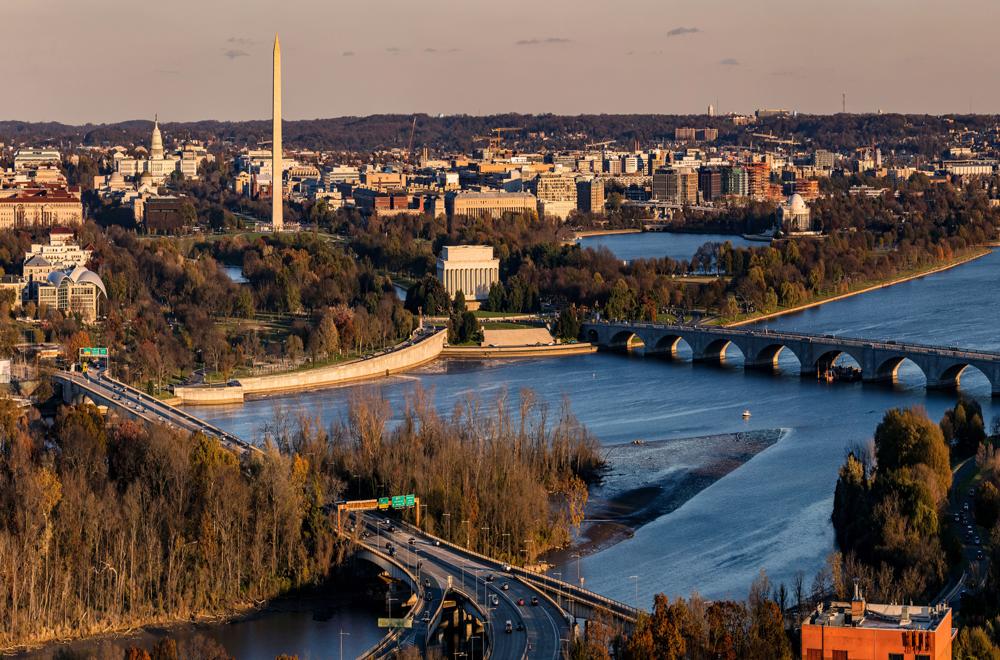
{"x":930,"y":270}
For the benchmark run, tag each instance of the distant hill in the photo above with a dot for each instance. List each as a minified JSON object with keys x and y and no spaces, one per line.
{"x":912,"y":133}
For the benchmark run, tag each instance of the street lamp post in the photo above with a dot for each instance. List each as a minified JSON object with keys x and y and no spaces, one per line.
{"x":636,"y":578}
{"x":578,"y":570}
{"x":467,"y":534}
{"x":506,"y":541}
{"x":342,"y":633}
{"x":558,"y":588}
{"x":487,"y":530}
{"x":448,"y":516}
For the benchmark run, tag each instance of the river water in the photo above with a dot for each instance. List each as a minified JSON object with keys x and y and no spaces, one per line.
{"x":658,"y":244}
{"x":772,"y":513}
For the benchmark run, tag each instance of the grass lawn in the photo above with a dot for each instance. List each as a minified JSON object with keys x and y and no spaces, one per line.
{"x":504,"y":326}
{"x":493,"y":315}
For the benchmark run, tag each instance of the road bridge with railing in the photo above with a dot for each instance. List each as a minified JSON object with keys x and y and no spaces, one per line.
{"x":879,"y":359}
{"x":97,"y":387}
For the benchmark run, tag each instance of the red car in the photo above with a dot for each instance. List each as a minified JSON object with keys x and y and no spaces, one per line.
{"x":534,"y":601}
{"x":520,"y":601}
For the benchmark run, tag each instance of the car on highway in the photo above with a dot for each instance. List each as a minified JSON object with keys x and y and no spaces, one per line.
{"x":520,"y":601}
{"x":392,"y":552}
{"x":494,"y":601}
{"x":972,"y":492}
{"x":427,"y":618}
{"x":505,"y":586}
{"x":388,"y":545}
{"x":520,"y":625}
{"x":979,"y":555}
{"x":437,"y":544}
{"x":957,"y":517}
{"x":412,"y":541}
{"x":428,"y":596}
{"x":489,"y":577}
{"x":965,"y":507}
{"x":977,"y":540}
{"x":534,"y":600}
{"x":510,"y":626}
{"x":427,"y":584}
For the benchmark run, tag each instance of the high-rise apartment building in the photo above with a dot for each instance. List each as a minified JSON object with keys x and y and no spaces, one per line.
{"x":735,"y":182}
{"x":678,"y":185}
{"x":590,"y":195}
{"x":710,"y":183}
{"x":823,"y":159}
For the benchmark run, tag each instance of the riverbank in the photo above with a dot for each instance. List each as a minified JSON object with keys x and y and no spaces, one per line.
{"x":604,"y":232}
{"x":648,"y":480}
{"x":517,"y":351}
{"x":320,"y":605}
{"x":981,"y":252}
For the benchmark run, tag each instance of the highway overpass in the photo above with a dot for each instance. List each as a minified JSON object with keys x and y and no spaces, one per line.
{"x":879,"y":359}
{"x":549,"y":626}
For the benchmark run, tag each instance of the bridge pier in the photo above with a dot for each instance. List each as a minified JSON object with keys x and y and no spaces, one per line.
{"x":714,"y":351}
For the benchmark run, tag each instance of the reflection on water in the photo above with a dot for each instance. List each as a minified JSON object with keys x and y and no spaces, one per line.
{"x":658,"y":244}
{"x":235,"y":273}
{"x":773,"y":512}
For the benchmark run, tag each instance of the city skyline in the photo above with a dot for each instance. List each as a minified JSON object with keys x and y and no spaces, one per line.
{"x":198,"y":62}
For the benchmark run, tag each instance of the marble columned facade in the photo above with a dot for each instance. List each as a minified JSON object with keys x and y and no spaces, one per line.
{"x":470,"y":269}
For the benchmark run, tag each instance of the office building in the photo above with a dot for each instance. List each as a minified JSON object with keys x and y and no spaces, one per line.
{"x":552,"y":187}
{"x":471,"y":269}
{"x":865,"y":631}
{"x":823,"y":159}
{"x":710,"y":183}
{"x":488,"y":204}
{"x":590,"y":194}
{"x":31,"y":159}
{"x":41,"y":207}
{"x":162,"y":214}
{"x":678,"y":185}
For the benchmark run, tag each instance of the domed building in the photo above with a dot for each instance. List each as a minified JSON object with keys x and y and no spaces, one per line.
{"x":160,"y":165}
{"x":794,"y":215}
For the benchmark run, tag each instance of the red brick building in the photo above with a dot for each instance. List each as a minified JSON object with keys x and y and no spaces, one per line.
{"x":862,"y":631}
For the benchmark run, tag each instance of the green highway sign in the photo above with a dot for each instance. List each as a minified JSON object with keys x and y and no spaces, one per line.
{"x":383,"y":502}
{"x":395,"y":623}
{"x":409,"y":500}
{"x":93,"y":352}
{"x":398,"y":501}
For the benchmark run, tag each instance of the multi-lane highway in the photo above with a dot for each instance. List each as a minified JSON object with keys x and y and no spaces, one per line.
{"x":100,"y":388}
{"x":545,"y":628}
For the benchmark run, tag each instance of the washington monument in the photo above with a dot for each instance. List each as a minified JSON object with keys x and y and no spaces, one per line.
{"x":277,"y":222}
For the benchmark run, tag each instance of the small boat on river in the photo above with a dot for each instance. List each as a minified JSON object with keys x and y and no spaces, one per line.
{"x":746,"y":414}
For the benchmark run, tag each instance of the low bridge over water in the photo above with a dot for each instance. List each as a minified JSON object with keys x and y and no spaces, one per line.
{"x":879,"y":360}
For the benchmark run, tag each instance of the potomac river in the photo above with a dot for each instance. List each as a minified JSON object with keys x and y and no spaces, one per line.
{"x":774,"y":511}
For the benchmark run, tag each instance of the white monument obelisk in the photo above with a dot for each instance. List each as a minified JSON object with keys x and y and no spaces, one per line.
{"x":277,"y":222}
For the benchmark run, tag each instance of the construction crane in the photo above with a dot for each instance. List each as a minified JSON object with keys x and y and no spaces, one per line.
{"x":496,"y":139}
{"x":409,"y":149}
{"x":599,"y":144}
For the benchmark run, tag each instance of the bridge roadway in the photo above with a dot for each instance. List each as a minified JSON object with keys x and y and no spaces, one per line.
{"x":131,"y":403}
{"x":544,"y":624}
{"x":879,"y":360}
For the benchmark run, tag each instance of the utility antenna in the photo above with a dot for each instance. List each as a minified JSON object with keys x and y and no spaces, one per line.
{"x":843,"y":103}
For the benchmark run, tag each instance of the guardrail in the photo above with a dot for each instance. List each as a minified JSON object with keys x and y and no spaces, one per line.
{"x":548,"y":582}
{"x":394,"y":635}
{"x":201,"y":424}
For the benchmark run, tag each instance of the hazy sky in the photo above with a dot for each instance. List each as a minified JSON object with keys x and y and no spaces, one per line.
{"x":100,"y":61}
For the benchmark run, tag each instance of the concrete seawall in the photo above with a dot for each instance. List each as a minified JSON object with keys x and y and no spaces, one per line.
{"x":383,"y":365}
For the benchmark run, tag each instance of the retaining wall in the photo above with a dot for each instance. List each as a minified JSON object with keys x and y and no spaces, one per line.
{"x":391,"y":362}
